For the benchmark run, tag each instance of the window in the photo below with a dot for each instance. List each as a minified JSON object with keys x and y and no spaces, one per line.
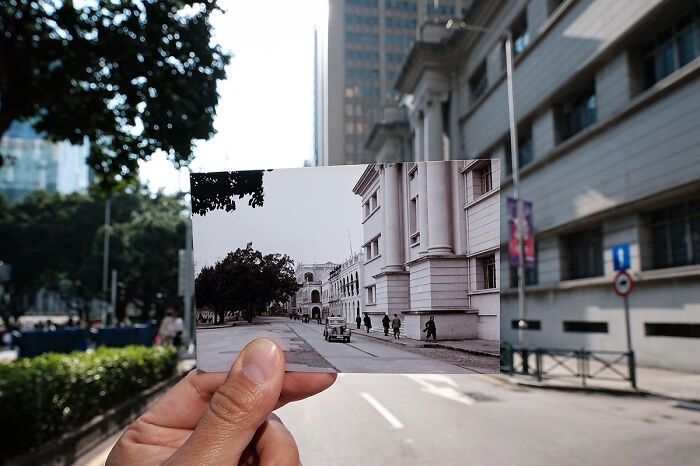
{"x":579,"y":112}
{"x":671,"y":50}
{"x":531,"y":324}
{"x":675,"y":235}
{"x":585,"y":252}
{"x":413,"y":221}
{"x":672,"y":330}
{"x":531,"y":277}
{"x":486,"y":272}
{"x":478,"y":82}
{"x":486,"y":179}
{"x":372,"y":248}
{"x":371,"y":294}
{"x":361,"y":38}
{"x":526,"y":150}
{"x":581,"y":326}
{"x":521,"y":36}
{"x":365,"y":3}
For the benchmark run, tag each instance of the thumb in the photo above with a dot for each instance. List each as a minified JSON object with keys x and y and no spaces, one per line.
{"x":237,"y":408}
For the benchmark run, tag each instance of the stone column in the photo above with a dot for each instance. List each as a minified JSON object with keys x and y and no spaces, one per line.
{"x":433,"y":129}
{"x":392,"y":218}
{"x":418,"y":139}
{"x":439,"y":203}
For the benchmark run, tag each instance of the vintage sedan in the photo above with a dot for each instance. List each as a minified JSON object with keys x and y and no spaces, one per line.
{"x":337,"y":329}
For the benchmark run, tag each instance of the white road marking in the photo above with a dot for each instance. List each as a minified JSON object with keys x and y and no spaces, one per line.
{"x":446,"y":390}
{"x":391,"y":419}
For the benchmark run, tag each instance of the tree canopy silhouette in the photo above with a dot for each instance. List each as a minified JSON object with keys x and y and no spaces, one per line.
{"x":219,"y":190}
{"x":132,"y":78}
{"x":246,"y":281}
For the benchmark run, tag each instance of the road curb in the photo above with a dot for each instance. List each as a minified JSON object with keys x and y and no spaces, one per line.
{"x":588,"y":389}
{"x":421,"y":344}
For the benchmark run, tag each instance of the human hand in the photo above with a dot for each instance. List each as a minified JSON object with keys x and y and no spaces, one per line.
{"x":217,"y":418}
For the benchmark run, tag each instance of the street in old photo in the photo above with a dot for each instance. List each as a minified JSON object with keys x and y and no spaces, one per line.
{"x":307,"y":350}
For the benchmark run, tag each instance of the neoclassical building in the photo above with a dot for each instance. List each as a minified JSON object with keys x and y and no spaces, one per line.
{"x":308,"y":299}
{"x":606,"y":108}
{"x":343,"y":294}
{"x":431,"y":245}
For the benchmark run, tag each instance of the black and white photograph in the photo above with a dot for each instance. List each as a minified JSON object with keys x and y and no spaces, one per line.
{"x":376,"y":268}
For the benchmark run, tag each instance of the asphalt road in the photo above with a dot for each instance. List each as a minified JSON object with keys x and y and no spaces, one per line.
{"x":445,"y":420}
{"x":481,"y":420}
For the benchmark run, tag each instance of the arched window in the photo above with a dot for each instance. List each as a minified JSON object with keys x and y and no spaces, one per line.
{"x":315,"y":296}
{"x":309,"y":276}
{"x":357,"y":284}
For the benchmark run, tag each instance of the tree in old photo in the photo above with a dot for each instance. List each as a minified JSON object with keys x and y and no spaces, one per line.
{"x":245,"y":281}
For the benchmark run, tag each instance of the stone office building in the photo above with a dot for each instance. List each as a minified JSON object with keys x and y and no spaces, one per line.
{"x":431,"y":245}
{"x":307,"y":299}
{"x":606,"y":105}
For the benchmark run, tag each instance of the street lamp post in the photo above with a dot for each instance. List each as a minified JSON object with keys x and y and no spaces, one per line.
{"x":520,"y":221}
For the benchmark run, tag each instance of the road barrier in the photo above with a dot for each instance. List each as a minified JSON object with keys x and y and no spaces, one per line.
{"x":556,"y":363}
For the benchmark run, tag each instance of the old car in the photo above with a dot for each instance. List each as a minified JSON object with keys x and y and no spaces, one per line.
{"x":337,"y":329}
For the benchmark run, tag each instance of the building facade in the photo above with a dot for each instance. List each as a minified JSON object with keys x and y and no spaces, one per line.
{"x":428,"y":239}
{"x":38,"y":164}
{"x":344,"y":292}
{"x":307,"y":300}
{"x":609,"y":154}
{"x":359,"y":54}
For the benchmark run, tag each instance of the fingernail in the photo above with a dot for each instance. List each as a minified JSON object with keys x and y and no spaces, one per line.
{"x":260,"y":360}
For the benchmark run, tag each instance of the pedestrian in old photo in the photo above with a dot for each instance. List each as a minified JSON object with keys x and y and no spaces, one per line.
{"x":385,"y":323}
{"x":368,"y":322}
{"x":430,"y":329}
{"x":358,"y":321}
{"x":396,"y":325}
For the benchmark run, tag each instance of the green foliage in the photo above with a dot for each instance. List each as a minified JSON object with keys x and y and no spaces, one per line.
{"x":55,"y":242}
{"x":131,"y":77}
{"x":245,"y":280}
{"x":44,"y":397}
{"x":218,"y":190}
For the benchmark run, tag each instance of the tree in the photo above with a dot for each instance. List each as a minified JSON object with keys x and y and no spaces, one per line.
{"x":218,"y":190}
{"x":246,"y":281}
{"x":55,"y":242}
{"x":132,"y":78}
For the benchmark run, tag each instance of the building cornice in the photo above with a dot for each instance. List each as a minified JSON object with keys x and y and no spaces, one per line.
{"x":368,"y":177}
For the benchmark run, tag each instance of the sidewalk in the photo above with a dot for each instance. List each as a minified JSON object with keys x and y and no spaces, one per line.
{"x":479,"y":347}
{"x":663,"y":383}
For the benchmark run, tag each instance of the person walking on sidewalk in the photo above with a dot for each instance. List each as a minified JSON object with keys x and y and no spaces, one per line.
{"x":431,"y":329}
{"x":385,"y":323}
{"x":358,"y":321}
{"x":396,"y":325}
{"x":368,"y":322}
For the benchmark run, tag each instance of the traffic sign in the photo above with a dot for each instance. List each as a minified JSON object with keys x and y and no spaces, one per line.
{"x":621,"y":256}
{"x":623,"y":284}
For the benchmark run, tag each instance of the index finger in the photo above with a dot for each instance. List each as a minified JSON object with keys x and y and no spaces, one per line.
{"x":183,"y":406}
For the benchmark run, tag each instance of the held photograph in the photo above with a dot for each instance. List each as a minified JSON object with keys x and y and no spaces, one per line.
{"x":378,"y":268}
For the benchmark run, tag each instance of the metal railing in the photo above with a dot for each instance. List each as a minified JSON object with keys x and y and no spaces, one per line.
{"x":556,"y":363}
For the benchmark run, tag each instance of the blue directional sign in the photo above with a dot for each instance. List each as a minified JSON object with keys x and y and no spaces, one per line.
{"x":621,"y":256}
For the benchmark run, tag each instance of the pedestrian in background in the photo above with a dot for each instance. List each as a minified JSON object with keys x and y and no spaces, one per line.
{"x":396,"y":325}
{"x":385,"y":323}
{"x":358,"y":321}
{"x":368,"y":322}
{"x":167,"y":329}
{"x":430,"y":329}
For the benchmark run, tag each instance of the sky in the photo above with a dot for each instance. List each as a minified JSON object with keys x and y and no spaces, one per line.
{"x":310,"y":214}
{"x":265,"y":113}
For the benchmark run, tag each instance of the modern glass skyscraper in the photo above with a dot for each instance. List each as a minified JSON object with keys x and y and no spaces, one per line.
{"x":36,"y":163}
{"x":358,"y":58}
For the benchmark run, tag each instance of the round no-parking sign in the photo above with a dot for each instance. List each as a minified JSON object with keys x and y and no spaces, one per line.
{"x":623,"y":284}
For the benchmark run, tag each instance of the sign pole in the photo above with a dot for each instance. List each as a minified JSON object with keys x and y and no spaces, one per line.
{"x":632,"y":364}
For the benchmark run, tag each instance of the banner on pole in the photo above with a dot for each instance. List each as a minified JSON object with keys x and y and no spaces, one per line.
{"x":528,"y":233}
